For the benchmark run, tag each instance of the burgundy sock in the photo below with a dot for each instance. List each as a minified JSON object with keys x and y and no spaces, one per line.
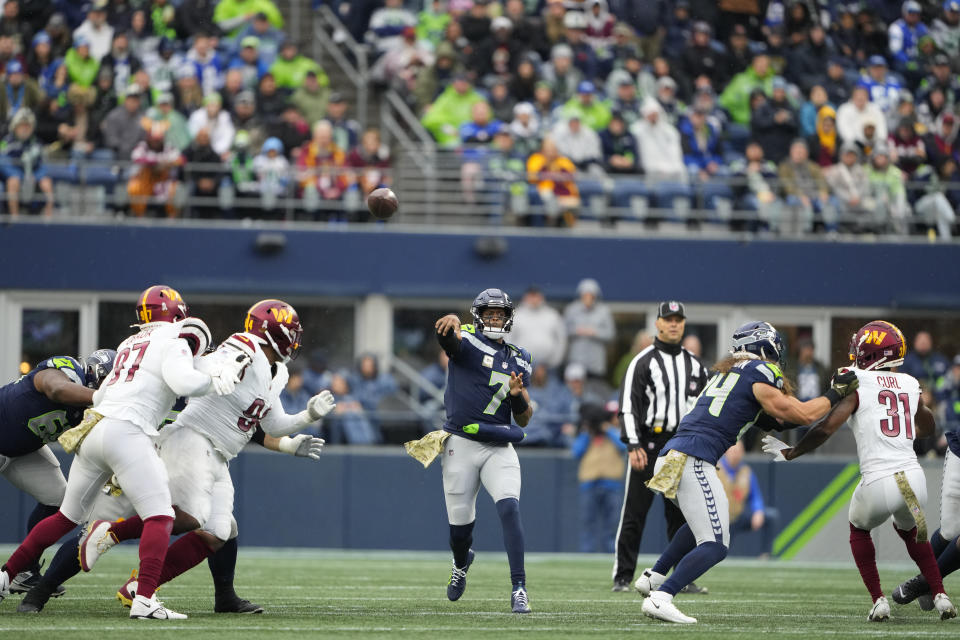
{"x":865,"y":555}
{"x":922,"y":554}
{"x":44,"y":534}
{"x":128,"y":529}
{"x":183,"y":555}
{"x":153,"y":550}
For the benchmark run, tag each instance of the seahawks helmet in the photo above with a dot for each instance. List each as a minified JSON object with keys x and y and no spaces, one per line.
{"x":97,"y":366}
{"x":497,"y":299}
{"x":759,"y":338}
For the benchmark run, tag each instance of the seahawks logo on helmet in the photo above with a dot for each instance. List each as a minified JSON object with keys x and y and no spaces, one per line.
{"x":97,"y":366}
{"x":495,"y":299}
{"x":760,"y":339}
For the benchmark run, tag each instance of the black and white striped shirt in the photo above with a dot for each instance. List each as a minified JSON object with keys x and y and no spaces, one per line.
{"x":661,"y":385}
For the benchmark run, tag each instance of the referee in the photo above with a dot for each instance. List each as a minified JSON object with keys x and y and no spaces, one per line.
{"x":661,"y":385}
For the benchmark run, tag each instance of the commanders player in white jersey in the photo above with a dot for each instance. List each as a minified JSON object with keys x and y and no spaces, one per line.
{"x":151,"y":369}
{"x":885,"y":414}
{"x":210,"y":432}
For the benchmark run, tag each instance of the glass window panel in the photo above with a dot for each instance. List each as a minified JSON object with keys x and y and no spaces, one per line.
{"x":49,"y":332}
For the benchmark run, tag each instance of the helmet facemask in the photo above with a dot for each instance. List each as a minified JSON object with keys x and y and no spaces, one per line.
{"x":493,"y":333}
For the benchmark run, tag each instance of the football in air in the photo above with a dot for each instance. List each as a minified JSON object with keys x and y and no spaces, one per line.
{"x":382,"y":203}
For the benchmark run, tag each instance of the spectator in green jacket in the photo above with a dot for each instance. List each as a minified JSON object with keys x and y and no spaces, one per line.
{"x":592,"y":112}
{"x":311,"y":97}
{"x":291,"y":68}
{"x":736,"y":97}
{"x":81,"y":66}
{"x":432,"y":22}
{"x":177,"y":135}
{"x":891,"y":209}
{"x":232,"y":15}
{"x":450,"y":110}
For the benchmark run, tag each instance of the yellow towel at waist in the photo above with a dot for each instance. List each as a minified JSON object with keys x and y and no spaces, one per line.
{"x":71,"y":439}
{"x":667,"y":479}
{"x":427,"y":448}
{"x":913,"y":504}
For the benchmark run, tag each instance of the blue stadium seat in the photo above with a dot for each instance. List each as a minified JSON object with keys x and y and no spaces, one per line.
{"x":593,"y":196}
{"x":628,"y":190}
{"x":60,"y":172}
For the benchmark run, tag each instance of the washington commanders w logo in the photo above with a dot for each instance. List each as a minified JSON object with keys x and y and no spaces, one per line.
{"x":171,"y":293}
{"x":283,"y":316}
{"x":875,"y":337}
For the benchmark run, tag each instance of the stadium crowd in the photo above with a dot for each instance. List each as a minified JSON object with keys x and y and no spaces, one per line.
{"x":811,"y":115}
{"x":157,"y":101}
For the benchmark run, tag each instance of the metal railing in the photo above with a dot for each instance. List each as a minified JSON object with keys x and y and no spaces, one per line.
{"x":326,"y":24}
{"x":458,"y":188}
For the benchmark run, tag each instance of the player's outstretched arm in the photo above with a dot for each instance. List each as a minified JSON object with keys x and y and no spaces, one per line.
{"x":302,"y":446}
{"x":179,"y":373}
{"x":789,"y":409}
{"x":60,"y":389}
{"x":822,"y":432}
{"x":279,"y":423}
{"x":448,"y":333}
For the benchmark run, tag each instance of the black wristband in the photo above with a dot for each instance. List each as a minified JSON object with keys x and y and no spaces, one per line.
{"x":518,"y":404}
{"x":833,"y":396}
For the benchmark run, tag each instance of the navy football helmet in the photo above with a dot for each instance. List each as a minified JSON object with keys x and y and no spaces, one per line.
{"x":98,"y":366}
{"x":496,"y":299}
{"x":760,"y":339}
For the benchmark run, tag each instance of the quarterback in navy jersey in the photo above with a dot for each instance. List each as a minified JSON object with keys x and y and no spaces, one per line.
{"x":486,"y":380}
{"x":746,"y":387}
{"x":34,"y":411}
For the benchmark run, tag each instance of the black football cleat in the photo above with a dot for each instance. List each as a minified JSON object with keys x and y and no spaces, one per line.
{"x":458,"y":578}
{"x":694,"y":588}
{"x":27,"y":580}
{"x":236,"y":605}
{"x":911,"y":589}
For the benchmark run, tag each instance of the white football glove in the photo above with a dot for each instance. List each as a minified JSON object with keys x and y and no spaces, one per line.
{"x":320,"y":405}
{"x":774,"y":447}
{"x":227,"y":376}
{"x":303,"y":446}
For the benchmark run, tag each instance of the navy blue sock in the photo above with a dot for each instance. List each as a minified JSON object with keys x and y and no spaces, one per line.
{"x":222,"y":565}
{"x":683,"y":543}
{"x":39,"y":512}
{"x":949,"y":559}
{"x":694,"y":564}
{"x":509,"y":510}
{"x":938,"y":543}
{"x":461,"y":537}
{"x":65,"y":565}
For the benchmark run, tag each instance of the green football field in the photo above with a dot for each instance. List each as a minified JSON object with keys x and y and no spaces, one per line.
{"x":402,"y":595}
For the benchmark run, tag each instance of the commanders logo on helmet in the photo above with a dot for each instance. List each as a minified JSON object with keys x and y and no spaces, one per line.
{"x":161,"y":303}
{"x":759,"y":338}
{"x":878,"y":345}
{"x":277,"y":324}
{"x":492,"y":299}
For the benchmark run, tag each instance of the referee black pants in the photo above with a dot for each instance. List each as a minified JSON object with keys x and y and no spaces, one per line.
{"x":637,"y":499}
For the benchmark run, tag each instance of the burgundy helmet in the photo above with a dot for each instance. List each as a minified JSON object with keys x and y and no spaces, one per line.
{"x":877,"y":345}
{"x":276,"y":323}
{"x":161,"y":303}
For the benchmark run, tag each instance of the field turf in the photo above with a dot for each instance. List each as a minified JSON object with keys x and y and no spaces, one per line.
{"x":334,"y":594}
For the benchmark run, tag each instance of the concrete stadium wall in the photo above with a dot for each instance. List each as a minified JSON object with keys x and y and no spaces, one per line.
{"x":380,"y":498}
{"x":433,"y":265}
